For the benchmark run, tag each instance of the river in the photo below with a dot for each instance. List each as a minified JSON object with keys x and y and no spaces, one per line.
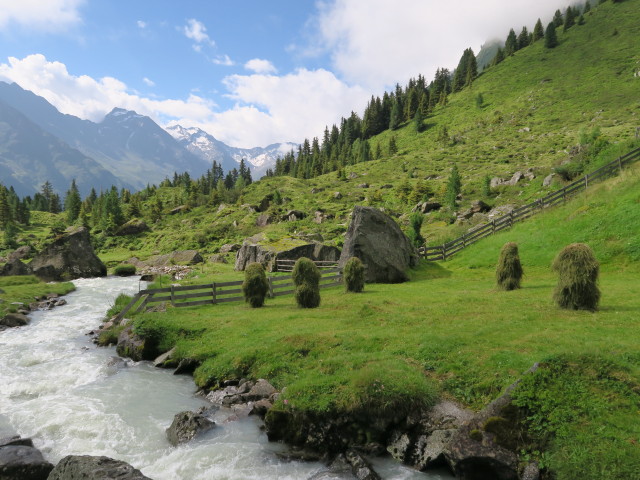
{"x":72,"y":398}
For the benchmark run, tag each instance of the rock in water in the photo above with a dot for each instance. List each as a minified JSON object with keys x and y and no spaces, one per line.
{"x":376,"y":239}
{"x":69,"y":256}
{"x":81,"y":467}
{"x":186,"y":425}
{"x":23,"y":462}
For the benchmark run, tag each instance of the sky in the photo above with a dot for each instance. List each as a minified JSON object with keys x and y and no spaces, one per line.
{"x":249,"y":72}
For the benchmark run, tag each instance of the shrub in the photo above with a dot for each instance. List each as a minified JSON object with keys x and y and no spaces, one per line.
{"x":509,"y":270}
{"x":255,"y":286}
{"x":306,"y":278}
{"x":578,"y":271}
{"x":125,"y":270}
{"x":353,"y":275}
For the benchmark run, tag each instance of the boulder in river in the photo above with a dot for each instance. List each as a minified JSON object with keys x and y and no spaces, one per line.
{"x":81,"y":467}
{"x":14,"y":320}
{"x":23,"y":461}
{"x":68,"y":257}
{"x":186,"y":425}
{"x":376,"y":239}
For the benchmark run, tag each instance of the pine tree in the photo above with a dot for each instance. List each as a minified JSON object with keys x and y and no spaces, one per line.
{"x":523,"y":38}
{"x":587,"y":7}
{"x":511,"y":44}
{"x":557,"y":18}
{"x":550,"y":38}
{"x":569,"y":19}
{"x":538,"y":31}
{"x":418,"y":121}
{"x":394,"y":122}
{"x":499,"y":57}
{"x":5,"y":209}
{"x":454,"y":185}
{"x":72,"y":203}
{"x":393,"y":148}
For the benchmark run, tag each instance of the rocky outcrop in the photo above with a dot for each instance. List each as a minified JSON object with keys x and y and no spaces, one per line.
{"x":20,"y":253}
{"x":82,"y":467}
{"x":426,"y":207}
{"x":376,"y":239}
{"x":20,"y":460}
{"x":258,"y":395}
{"x":188,"y":257}
{"x":68,"y":257}
{"x":185,"y":427}
{"x":267,"y":255}
{"x":133,"y":227}
{"x":135,"y":347}
{"x":15,"y":267}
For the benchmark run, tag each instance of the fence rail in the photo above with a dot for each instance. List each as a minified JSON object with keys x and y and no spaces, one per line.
{"x":442,"y":252}
{"x":287,"y":265}
{"x":218,"y":292}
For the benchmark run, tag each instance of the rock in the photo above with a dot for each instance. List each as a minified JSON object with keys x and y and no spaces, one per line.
{"x":84,"y":467}
{"x":515,"y":178}
{"x":399,"y":446}
{"x":180,"y":209}
{"x":14,"y":320}
{"x":293,"y":215}
{"x":426,"y":207}
{"x":524,"y":130}
{"x":387,"y":185}
{"x":250,"y":253}
{"x":264,"y":220}
{"x":376,"y":239}
{"x":16,"y":440}
{"x":133,"y":227}
{"x":261,"y":407}
{"x":337,"y":195}
{"x":429,"y":450}
{"x":186,"y":366}
{"x":189,"y":257}
{"x":261,"y":390}
{"x":531,"y":472}
{"x":165,"y":360}
{"x":360,"y":468}
{"x":218,"y":258}
{"x":267,"y":255}
{"x":265,"y":203}
{"x":133,"y":346}
{"x":68,"y":257}
{"x":221,"y":208}
{"x":15,"y":267}
{"x":320,"y":217}
{"x":315,"y":190}
{"x":363,"y":185}
{"x":230,"y":247}
{"x":186,"y":425}
{"x":353,"y":175}
{"x":19,"y":254}
{"x":548,"y":179}
{"x":495,"y":182}
{"x":500,"y":211}
{"x":478,"y":206}
{"x":23,"y":462}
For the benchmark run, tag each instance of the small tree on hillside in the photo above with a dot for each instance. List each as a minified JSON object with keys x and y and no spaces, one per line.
{"x":578,"y":271}
{"x":353,"y":275}
{"x":454,"y":185}
{"x":538,"y":31}
{"x":255,"y":286}
{"x":550,"y":37}
{"x":509,"y":270}
{"x":416,"y":219}
{"x":306,"y":278}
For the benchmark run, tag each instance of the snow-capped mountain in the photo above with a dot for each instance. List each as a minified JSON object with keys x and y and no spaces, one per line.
{"x":207,"y":147}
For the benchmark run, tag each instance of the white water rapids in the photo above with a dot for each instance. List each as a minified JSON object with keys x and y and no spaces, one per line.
{"x":59,"y":389}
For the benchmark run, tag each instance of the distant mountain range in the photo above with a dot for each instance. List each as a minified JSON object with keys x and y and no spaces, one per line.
{"x":38,"y":143}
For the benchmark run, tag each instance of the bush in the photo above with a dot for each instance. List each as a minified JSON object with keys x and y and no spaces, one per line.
{"x":353,"y":275}
{"x":306,"y":278}
{"x":509,"y":270}
{"x":255,"y":286}
{"x":578,"y":271}
{"x":125,"y":270}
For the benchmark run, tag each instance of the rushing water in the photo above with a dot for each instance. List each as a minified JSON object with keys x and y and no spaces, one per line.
{"x":71,"y":397}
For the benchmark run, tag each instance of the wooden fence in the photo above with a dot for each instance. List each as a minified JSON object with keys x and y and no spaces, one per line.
{"x":442,"y":252}
{"x":287,"y":265}
{"x":218,"y":292}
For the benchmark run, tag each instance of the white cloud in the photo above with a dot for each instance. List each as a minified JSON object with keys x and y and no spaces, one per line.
{"x":49,"y":15}
{"x":377,"y":43}
{"x":259,"y":65}
{"x":223,"y":60}
{"x":196,"y":31}
{"x":141,"y":24}
{"x":148,"y":82}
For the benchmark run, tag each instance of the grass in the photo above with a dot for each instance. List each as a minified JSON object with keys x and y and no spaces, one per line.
{"x":26,"y":289}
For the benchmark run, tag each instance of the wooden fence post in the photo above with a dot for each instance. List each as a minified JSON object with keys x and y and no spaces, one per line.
{"x":214,"y":293}
{"x":270,"y":287}
{"x":173,"y":294}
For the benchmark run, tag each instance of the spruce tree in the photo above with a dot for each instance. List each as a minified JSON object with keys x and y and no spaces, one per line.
{"x":550,"y":37}
{"x":511,"y":44}
{"x":569,"y":19}
{"x":538,"y":31}
{"x":394,"y":121}
{"x":557,"y":18}
{"x":454,"y":185}
{"x":523,"y":38}
{"x":587,"y":7}
{"x":418,"y":121}
{"x":5,"y":209}
{"x":72,"y":203}
{"x":393,"y":148}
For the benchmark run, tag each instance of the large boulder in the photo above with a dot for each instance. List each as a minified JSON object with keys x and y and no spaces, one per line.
{"x":186,"y":425}
{"x":133,"y":227}
{"x":15,"y":267}
{"x":188,"y":257}
{"x":20,"y":253}
{"x":14,"y":320}
{"x":69,"y":256}
{"x":23,"y":461}
{"x":82,"y":467}
{"x":376,"y":239}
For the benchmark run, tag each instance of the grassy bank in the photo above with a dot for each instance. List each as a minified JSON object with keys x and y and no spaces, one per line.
{"x":26,"y":289}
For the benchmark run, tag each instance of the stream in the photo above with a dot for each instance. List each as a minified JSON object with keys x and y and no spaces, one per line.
{"x":73,"y":398}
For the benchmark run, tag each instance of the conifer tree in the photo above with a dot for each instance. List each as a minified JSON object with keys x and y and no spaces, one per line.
{"x":550,"y":37}
{"x":454,"y":185}
{"x":523,"y":38}
{"x":538,"y":31}
{"x":418,"y":121}
{"x":511,"y":44}
{"x":72,"y":203}
{"x":394,"y":121}
{"x":569,"y":19}
{"x":587,"y":7}
{"x":393,"y":148}
{"x":5,"y":209}
{"x":499,"y":57}
{"x":557,"y":18}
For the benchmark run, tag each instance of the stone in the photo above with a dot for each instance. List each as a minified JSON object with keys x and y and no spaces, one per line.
{"x":548,"y":180}
{"x":495,"y":182}
{"x":500,"y":211}
{"x":133,"y":227}
{"x":261,"y":407}
{"x":82,"y":467}
{"x":531,"y":472}
{"x":133,"y":346}
{"x":478,"y":206}
{"x":261,"y":390}
{"x":267,"y":255}
{"x":429,"y":450}
{"x":230,"y":247}
{"x":399,"y":445}
{"x":15,"y":267}
{"x":363,"y":185}
{"x":377,"y":240}
{"x":14,"y":320}
{"x":165,"y":360}
{"x":180,"y":209}
{"x":68,"y":257}
{"x":185,"y":427}
{"x":360,"y":468}
{"x":19,"y":462}
{"x":387,"y":185}
{"x":337,"y":195}
{"x":189,"y":257}
{"x":353,"y":175}
{"x":293,"y":215}
{"x":16,"y":440}
{"x":264,"y":220}
{"x":515,"y":178}
{"x":218,"y":258}
{"x":20,"y":253}
{"x":186,"y":366}
{"x":426,"y":207}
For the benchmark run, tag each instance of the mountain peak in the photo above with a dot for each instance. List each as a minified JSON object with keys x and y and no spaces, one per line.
{"x":123,"y":114}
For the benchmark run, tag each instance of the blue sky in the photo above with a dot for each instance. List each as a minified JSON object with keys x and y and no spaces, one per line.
{"x":249,"y":72}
